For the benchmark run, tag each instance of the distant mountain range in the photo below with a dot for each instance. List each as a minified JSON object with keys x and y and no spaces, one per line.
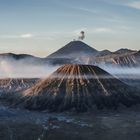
{"x":17,"y":56}
{"x":30,"y":59}
{"x":123,"y":51}
{"x":79,"y":52}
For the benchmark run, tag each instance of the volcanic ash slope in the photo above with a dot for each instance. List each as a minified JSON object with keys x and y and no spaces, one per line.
{"x":78,"y":88}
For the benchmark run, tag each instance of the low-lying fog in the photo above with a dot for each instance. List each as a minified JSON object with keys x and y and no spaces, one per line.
{"x":123,"y":72}
{"x":21,"y":69}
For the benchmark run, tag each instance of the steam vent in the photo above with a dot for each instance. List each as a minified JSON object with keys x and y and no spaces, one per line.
{"x":78,"y":88}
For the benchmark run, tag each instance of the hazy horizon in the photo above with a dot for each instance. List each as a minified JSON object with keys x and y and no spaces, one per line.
{"x":40,"y":27}
{"x":47,"y":54}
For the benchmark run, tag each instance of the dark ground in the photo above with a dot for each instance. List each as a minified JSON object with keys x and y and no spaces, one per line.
{"x":16,"y":124}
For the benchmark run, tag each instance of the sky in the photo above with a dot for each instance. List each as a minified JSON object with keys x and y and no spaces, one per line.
{"x":40,"y":27}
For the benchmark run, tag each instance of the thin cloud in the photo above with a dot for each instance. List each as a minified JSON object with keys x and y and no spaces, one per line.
{"x":28,"y":35}
{"x":86,"y":10}
{"x":128,"y":3}
{"x":103,"y":30}
{"x":20,"y":36}
{"x":134,"y":4}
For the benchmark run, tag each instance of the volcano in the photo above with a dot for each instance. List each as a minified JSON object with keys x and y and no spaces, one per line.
{"x":74,"y":49}
{"x":79,"y":88}
{"x":75,"y":52}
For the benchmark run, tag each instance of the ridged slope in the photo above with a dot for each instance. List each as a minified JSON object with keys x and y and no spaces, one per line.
{"x":78,"y":87}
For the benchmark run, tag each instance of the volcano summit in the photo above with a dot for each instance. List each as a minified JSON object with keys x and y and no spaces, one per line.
{"x":72,"y":49}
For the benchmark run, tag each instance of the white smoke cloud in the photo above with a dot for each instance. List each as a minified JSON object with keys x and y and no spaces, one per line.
{"x":134,"y":4}
{"x":10,"y":68}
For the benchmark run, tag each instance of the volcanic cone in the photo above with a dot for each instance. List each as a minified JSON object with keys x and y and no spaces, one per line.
{"x":79,"y":88}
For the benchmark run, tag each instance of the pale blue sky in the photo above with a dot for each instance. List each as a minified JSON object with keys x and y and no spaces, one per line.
{"x":40,"y":27}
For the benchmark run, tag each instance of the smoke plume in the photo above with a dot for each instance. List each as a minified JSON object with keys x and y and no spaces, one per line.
{"x":82,"y":35}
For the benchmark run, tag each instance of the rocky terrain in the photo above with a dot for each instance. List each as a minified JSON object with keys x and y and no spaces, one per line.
{"x":16,"y":84}
{"x":16,"y":124}
{"x":130,"y":59}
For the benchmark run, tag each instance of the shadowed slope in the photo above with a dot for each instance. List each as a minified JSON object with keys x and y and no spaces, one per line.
{"x":78,"y":87}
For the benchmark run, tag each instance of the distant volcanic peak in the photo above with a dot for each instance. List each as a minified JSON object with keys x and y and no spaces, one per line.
{"x":74,"y":49}
{"x":79,"y":44}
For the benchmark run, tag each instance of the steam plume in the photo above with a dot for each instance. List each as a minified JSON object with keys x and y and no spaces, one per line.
{"x":82,"y":35}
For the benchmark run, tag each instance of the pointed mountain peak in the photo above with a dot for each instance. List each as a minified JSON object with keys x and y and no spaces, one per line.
{"x":73,"y":50}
